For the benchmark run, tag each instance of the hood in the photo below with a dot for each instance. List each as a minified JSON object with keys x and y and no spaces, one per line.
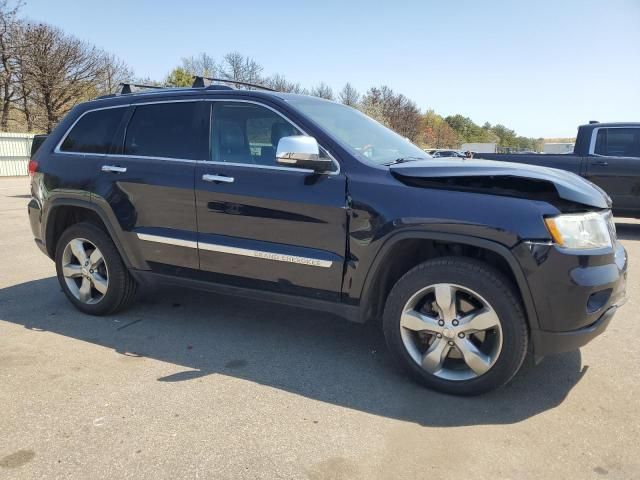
{"x":502,"y":178}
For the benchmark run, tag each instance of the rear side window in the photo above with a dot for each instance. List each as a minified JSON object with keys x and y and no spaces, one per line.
{"x":618,"y":142}
{"x":94,"y":132}
{"x":169,"y":130}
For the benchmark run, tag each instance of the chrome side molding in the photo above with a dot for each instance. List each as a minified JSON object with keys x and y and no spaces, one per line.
{"x":167,"y":240}
{"x":278,"y":257}
{"x":245,"y":252}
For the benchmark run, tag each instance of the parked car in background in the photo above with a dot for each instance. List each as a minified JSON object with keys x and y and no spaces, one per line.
{"x":467,"y":265}
{"x":607,"y":154}
{"x":444,"y":153}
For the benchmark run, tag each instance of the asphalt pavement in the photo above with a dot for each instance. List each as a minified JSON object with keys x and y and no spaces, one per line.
{"x":189,"y":384}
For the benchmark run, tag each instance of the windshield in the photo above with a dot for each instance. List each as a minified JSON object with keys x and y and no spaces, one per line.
{"x":368,"y":139}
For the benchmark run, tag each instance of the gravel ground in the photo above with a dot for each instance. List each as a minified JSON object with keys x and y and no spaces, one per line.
{"x":195,"y":385}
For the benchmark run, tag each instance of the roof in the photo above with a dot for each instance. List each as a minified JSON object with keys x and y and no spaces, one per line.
{"x":611,"y":124}
{"x":161,"y":93}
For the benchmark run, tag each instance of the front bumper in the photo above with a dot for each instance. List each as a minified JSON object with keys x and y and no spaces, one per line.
{"x":546,"y":343}
{"x":575,"y":294}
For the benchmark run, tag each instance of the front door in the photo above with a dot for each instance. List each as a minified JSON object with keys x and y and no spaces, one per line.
{"x":261,"y":225}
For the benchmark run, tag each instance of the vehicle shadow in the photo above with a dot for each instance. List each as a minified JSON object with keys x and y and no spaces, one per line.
{"x":308,"y":353}
{"x":628,"y":230}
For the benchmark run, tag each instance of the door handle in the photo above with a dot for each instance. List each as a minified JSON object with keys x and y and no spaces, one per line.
{"x":604,"y":163}
{"x":113,"y":168}
{"x":217,"y":178}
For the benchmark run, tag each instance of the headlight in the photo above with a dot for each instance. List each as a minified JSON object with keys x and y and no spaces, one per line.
{"x":582,"y":231}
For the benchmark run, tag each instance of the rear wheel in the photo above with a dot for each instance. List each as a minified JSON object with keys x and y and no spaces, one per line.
{"x":456,"y":325}
{"x":91,"y":272}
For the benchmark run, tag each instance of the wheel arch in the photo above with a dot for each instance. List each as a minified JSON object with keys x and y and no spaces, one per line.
{"x":404,"y":250}
{"x":64,"y":212}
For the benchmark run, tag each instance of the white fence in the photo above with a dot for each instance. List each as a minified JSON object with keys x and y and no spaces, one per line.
{"x":15,"y":149}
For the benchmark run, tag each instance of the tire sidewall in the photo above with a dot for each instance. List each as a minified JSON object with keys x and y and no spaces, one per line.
{"x":490,"y":285}
{"x":112,"y":260}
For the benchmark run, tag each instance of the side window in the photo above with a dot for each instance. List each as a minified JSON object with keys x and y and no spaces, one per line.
{"x":618,"y":142}
{"x":169,"y":130}
{"x":247,"y":133}
{"x":94,"y":132}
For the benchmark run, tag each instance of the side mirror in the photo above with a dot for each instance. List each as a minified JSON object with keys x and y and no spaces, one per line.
{"x":302,"y":152}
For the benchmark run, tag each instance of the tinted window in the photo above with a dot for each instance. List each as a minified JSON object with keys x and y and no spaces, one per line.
{"x":170,"y":130}
{"x":94,"y":132}
{"x":618,"y":142}
{"x":247,"y":133}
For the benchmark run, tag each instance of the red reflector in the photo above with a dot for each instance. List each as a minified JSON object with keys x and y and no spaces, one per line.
{"x":33,"y":167}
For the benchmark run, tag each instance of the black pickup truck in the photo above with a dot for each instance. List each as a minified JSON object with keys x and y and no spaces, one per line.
{"x":608,"y":154}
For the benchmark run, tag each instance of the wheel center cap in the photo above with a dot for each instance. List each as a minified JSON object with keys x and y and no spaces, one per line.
{"x":447,"y":333}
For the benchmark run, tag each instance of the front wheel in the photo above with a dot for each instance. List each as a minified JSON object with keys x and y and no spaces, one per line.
{"x":456,"y":325}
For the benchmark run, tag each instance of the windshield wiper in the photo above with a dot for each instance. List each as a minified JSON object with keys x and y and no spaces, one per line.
{"x":404,"y":160}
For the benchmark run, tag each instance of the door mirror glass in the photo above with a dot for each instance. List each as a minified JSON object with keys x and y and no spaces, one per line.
{"x":303,"y":152}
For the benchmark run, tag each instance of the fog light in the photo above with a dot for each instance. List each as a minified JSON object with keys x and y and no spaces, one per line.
{"x":597,"y":300}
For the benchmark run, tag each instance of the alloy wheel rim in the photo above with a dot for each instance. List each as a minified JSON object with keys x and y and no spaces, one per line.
{"x":85,"y":271}
{"x":451,"y":332}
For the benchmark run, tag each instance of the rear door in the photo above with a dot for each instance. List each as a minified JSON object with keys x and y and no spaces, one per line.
{"x":146,"y":177}
{"x":614,"y":165}
{"x":262,"y":225}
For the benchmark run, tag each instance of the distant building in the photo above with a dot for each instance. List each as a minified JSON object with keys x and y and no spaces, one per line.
{"x":558,"y":148}
{"x":479,"y":147}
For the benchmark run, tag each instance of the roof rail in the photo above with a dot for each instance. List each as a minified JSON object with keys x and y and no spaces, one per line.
{"x":206,"y":82}
{"x":126,"y":88}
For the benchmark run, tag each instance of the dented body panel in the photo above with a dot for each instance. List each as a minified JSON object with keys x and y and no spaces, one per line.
{"x":567,"y":186}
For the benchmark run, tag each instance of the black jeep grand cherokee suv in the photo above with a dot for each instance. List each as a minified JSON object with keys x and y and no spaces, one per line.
{"x":468,"y":263}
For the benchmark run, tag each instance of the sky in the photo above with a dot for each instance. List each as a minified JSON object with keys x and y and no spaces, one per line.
{"x":538,"y":67}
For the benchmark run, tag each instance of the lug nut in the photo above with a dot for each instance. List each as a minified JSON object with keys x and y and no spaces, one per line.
{"x":461,"y":335}
{"x":455,"y":323}
{"x":441,"y":323}
{"x":439,"y":335}
{"x":451,"y":343}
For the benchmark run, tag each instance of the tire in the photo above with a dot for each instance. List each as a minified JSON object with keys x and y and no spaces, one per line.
{"x":117,"y":285}
{"x":479,"y":360}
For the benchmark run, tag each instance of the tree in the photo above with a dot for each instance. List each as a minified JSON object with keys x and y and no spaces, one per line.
{"x":506,"y":137}
{"x":372,"y":108}
{"x":236,"y":66}
{"x":394,"y":110}
{"x":9,"y":44}
{"x":26,"y":104}
{"x":202,"y":65}
{"x":281,"y":84}
{"x":323,"y":90}
{"x":437,"y":133}
{"x":349,"y":95}
{"x":62,"y":71}
{"x":112,"y":73}
{"x":179,"y":77}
